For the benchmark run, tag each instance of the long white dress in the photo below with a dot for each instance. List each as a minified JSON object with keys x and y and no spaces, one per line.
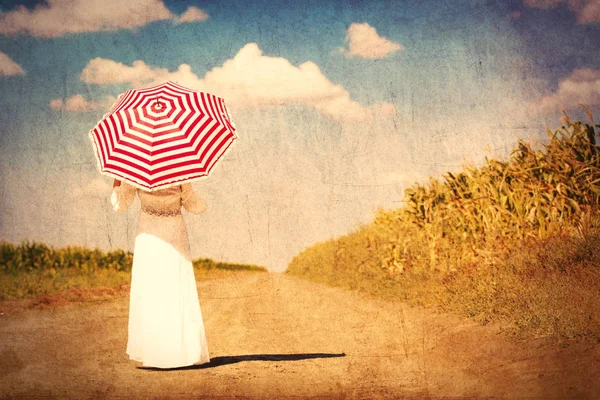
{"x":165,"y":328}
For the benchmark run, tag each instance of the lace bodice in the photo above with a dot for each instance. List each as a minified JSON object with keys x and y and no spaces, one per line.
{"x":160,"y":202}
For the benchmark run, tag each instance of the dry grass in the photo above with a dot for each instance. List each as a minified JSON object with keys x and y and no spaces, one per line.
{"x":514,"y":241}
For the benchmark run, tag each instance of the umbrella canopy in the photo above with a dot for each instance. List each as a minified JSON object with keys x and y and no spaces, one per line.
{"x":162,"y":136}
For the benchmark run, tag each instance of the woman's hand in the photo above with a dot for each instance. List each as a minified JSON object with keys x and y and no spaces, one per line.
{"x":116,"y":183}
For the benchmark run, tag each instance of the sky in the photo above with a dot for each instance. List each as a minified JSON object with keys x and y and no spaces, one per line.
{"x":339,"y":106}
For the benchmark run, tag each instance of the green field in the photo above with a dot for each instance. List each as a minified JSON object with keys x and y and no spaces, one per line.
{"x":32,"y":269}
{"x":513,"y":241}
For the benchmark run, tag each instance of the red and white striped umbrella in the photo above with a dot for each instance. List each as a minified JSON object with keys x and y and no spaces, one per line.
{"x":162,"y":136}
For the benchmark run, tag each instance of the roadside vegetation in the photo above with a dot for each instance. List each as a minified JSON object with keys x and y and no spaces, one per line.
{"x":514,"y":241}
{"x":33,"y":269}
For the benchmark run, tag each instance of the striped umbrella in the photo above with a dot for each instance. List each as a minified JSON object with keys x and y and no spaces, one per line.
{"x":162,"y":136}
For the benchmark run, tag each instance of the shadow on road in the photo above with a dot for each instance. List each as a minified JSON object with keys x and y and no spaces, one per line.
{"x":225,"y":360}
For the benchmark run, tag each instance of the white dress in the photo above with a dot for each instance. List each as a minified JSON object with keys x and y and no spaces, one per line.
{"x":165,"y":328}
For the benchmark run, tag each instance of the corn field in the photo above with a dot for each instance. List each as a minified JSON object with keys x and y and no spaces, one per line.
{"x":514,"y":241}
{"x":479,"y":211}
{"x":35,"y":256}
{"x":31,"y":256}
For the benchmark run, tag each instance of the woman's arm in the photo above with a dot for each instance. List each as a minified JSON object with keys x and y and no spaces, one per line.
{"x":122,"y":196}
{"x":191,"y":201}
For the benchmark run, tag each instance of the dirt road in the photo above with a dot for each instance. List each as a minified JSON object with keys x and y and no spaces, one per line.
{"x":275,"y":336}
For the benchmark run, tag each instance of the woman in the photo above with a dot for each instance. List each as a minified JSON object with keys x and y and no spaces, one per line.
{"x":165,"y":329}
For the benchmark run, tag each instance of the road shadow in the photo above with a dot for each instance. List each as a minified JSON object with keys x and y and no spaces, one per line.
{"x":226,"y":360}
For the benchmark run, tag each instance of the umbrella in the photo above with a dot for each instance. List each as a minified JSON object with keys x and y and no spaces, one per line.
{"x":162,"y":136}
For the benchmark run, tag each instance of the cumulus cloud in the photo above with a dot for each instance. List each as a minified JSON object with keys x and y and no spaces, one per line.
{"x":193,"y":14}
{"x":581,"y":86}
{"x":587,"y":11}
{"x":79,"y":104}
{"x":102,"y":71}
{"x":364,"y":41}
{"x":55,"y":18}
{"x":590,"y":13}
{"x":248,"y":79}
{"x":8,"y":67}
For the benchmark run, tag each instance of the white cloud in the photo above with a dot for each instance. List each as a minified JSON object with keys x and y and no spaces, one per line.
{"x":61,"y":17}
{"x":582,"y":86}
{"x":363,"y":41}
{"x":8,"y":67}
{"x":193,"y":14}
{"x":587,"y":11}
{"x":78,"y":104}
{"x":101,"y":71}
{"x":590,"y":13}
{"x":248,"y":79}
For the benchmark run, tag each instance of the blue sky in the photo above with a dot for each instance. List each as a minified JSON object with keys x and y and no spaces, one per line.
{"x":339,"y":106}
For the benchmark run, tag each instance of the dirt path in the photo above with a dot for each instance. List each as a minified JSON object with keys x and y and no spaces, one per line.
{"x":274,"y":336}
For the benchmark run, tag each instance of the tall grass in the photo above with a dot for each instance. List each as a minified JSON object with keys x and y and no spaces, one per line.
{"x":32,"y":256}
{"x":32,"y":268}
{"x":513,"y":240}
